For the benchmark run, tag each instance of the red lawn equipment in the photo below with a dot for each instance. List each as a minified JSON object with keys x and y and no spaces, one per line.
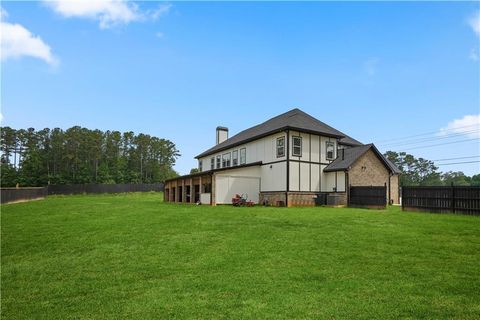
{"x":241,"y":201}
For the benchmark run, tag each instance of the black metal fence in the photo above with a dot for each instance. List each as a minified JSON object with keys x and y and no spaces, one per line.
{"x":368,"y":196}
{"x":104,"y":188}
{"x":21,"y":194}
{"x":453,"y":199}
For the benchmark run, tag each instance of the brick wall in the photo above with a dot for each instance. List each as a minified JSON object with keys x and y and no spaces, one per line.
{"x":296,"y":199}
{"x":394,"y":184}
{"x":302,"y":199}
{"x":272,"y":198}
{"x":369,"y":170}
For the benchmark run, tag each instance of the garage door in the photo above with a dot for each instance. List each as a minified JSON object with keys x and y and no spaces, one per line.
{"x":228,"y":186}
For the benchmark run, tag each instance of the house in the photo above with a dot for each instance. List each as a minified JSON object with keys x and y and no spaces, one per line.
{"x":287,"y":160}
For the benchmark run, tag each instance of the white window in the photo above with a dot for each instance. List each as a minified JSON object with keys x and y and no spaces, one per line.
{"x":243,"y":156}
{"x":200,"y":165}
{"x":219,"y":161}
{"x":280,"y":147}
{"x":297,"y":146}
{"x":235,"y":158}
{"x":330,"y":150}
{"x":212,"y":163}
{"x":226,"y":160}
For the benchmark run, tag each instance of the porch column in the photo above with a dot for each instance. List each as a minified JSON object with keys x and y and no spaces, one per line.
{"x":199,"y":188}
{"x":212,"y":194}
{"x":184,"y":193}
{"x":176,"y":191}
{"x":192,"y":191}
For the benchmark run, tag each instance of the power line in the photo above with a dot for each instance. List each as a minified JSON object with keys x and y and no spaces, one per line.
{"x":416,"y":141}
{"x":450,"y":163}
{"x":441,"y":144}
{"x":457,"y":158}
{"x":427,"y":133}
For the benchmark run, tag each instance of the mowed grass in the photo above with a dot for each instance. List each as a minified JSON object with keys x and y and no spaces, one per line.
{"x":130,"y":256}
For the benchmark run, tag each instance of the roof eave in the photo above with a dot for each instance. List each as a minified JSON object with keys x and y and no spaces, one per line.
{"x":209,"y":172}
{"x":205,"y":154}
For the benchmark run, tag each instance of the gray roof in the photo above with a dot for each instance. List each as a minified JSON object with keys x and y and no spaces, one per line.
{"x":393,"y":166}
{"x":349,"y":141}
{"x":294,"y":119}
{"x":345,"y":161}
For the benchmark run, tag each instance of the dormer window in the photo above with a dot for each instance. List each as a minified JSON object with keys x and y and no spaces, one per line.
{"x":280,"y":147}
{"x":330,"y":150}
{"x":296,"y":146}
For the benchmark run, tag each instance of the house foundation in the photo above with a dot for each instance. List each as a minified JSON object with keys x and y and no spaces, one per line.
{"x":299,"y":199}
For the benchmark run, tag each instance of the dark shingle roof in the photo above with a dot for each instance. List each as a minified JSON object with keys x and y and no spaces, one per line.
{"x":349,"y":141}
{"x":345,"y":161}
{"x":392,"y":165}
{"x":294,"y":119}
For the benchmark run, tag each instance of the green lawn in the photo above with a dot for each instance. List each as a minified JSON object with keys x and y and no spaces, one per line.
{"x":132,"y":256}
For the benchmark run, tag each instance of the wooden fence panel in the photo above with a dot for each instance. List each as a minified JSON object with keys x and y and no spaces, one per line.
{"x":368,"y":196}
{"x":453,"y":199}
{"x":21,"y":194}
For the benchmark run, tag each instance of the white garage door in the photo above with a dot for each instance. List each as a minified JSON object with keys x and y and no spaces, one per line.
{"x":228,"y":186}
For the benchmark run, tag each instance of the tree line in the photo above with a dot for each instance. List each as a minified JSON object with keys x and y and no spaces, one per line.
{"x":423,"y":172}
{"x":79,"y":155}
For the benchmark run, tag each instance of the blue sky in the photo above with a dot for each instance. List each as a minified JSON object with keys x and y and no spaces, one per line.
{"x":376,"y":71}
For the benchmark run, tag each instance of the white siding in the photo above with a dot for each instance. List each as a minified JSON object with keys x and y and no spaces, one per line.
{"x":273,"y":174}
{"x":341,"y":181}
{"x":315,"y":148}
{"x":274,"y":177}
{"x":294,"y":176}
{"x":304,"y":177}
{"x":263,"y":149}
{"x":315,"y":174}
{"x":237,"y":181}
{"x":329,"y":178}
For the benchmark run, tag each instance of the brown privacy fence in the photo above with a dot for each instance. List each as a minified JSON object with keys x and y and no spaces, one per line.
{"x":21,"y":194}
{"x":368,"y":196}
{"x":24,"y":194}
{"x":104,"y":188}
{"x":453,"y":199}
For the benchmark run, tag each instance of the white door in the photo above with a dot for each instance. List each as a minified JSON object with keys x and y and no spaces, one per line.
{"x":228,"y":186}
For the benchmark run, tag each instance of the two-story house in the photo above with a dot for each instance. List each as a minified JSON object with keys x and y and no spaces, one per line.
{"x":287,"y":160}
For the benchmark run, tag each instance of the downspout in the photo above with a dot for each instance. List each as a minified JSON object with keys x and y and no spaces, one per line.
{"x":288,"y":168}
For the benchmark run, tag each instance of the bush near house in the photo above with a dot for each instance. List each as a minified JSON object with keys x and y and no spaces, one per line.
{"x":131,"y":256}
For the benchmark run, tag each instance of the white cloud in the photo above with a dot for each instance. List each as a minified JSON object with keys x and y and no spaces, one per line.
{"x":17,"y":41}
{"x":3,"y":14}
{"x":370,"y":66}
{"x":473,"y":55}
{"x":159,"y":35}
{"x":468,"y":125}
{"x":474,"y":23}
{"x":161,"y":10}
{"x":108,"y":13}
